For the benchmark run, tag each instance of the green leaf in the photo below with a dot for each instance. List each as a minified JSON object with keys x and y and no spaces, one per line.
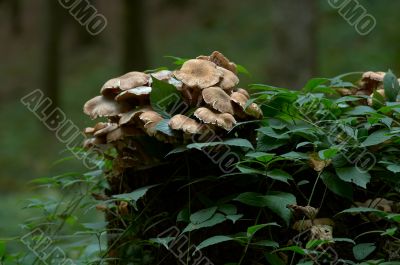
{"x":2,"y":248}
{"x":393,"y":168}
{"x":227,"y":209}
{"x":213,"y":241}
{"x":249,"y":170}
{"x":163,"y":96}
{"x":279,"y":174}
{"x":242,"y":70}
{"x":314,"y":83}
{"x":274,"y":259}
{"x":177,"y":60}
{"x":362,"y":210}
{"x":294,"y":249}
{"x":135,"y":195}
{"x":234,"y":217}
{"x":328,"y":153}
{"x":98,"y":226}
{"x":361,"y":251}
{"x":377,"y":137}
{"x":261,"y":156}
{"x":271,"y":133}
{"x":231,"y":142}
{"x":390,"y":231}
{"x":337,"y":186}
{"x":253,"y":229}
{"x":163,"y":127}
{"x":275,"y":201}
{"x":295,"y":155}
{"x":360,"y":110}
{"x":183,"y":215}
{"x":391,"y":86}
{"x":163,"y":241}
{"x":267,"y":243}
{"x":216,"y":219}
{"x":353,"y":174}
{"x":203,"y":215}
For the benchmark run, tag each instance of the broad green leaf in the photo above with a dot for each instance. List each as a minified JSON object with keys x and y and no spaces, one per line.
{"x":231,"y":142}
{"x":361,"y":251}
{"x":234,"y":217}
{"x":213,"y":240}
{"x":249,"y":170}
{"x":2,"y":248}
{"x":135,"y":195}
{"x":362,"y":210}
{"x":183,"y":215}
{"x":377,"y":137}
{"x":353,"y":174}
{"x":295,"y":155}
{"x":203,"y":215}
{"x":242,"y":70}
{"x":391,"y":86}
{"x":253,"y":229}
{"x":275,"y":201}
{"x":360,"y":110}
{"x":343,"y":239}
{"x":394,"y":168}
{"x":261,"y":156}
{"x":267,"y":243}
{"x":314,"y":83}
{"x":294,"y":249}
{"x":279,"y":174}
{"x":390,"y":231}
{"x":163,"y":241}
{"x":163,"y":97}
{"x":312,"y":244}
{"x":328,"y":153}
{"x":272,"y":133}
{"x":227,"y":209}
{"x":216,"y":219}
{"x":337,"y":186}
{"x":163,"y":127}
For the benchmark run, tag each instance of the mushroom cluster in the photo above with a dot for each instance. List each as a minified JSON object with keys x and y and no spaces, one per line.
{"x":207,"y":85}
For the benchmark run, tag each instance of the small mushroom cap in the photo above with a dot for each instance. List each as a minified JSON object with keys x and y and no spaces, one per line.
{"x":254,"y":111}
{"x":376,"y":76}
{"x":218,"y":99}
{"x":223,"y":120}
{"x":130,"y":116}
{"x":302,"y":225}
{"x":220,"y":60}
{"x":101,"y":106}
{"x":122,"y":132}
{"x":199,"y":73}
{"x":94,"y":141}
{"x":127,"y":81}
{"x":162,"y":75}
{"x":150,"y":120}
{"x":244,"y":92}
{"x":186,"y":124}
{"x":229,"y":79}
{"x":89,"y":131}
{"x":239,"y":98}
{"x":104,"y":131}
{"x":140,"y":92}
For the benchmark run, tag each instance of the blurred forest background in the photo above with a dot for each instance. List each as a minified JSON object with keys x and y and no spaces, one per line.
{"x":282,"y":43}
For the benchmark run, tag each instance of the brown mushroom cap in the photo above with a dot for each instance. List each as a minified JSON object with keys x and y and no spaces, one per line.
{"x":130,"y":116}
{"x":94,"y":141}
{"x":376,"y":76}
{"x":150,"y":119}
{"x":122,"y":132}
{"x":137,"y":93}
{"x":186,"y":124}
{"x":104,"y":131}
{"x":223,"y":120}
{"x":162,"y":75}
{"x":199,"y":73}
{"x":244,"y":92}
{"x":218,"y":99}
{"x":100,"y":106}
{"x":229,"y":79}
{"x":254,"y":111}
{"x":239,"y":98}
{"x":220,"y":60}
{"x":127,"y":81}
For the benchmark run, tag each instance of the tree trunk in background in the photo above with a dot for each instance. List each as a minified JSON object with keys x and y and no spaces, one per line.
{"x":134,"y":55}
{"x":15,"y":11}
{"x":294,"y":49}
{"x":51,"y":52}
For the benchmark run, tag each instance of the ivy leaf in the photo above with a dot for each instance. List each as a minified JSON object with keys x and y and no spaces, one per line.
{"x":377,"y":137}
{"x":361,"y":251}
{"x":203,"y":215}
{"x":337,"y":186}
{"x":280,"y":175}
{"x":391,"y":86}
{"x":353,"y":174}
{"x":213,"y":241}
